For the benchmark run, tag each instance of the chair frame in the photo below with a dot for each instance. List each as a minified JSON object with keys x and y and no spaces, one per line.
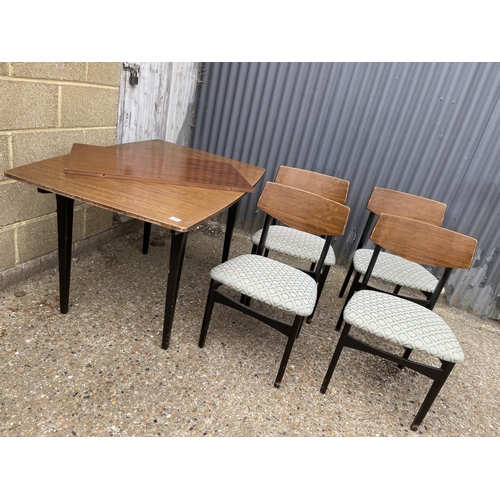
{"x":392,"y":202}
{"x":327,"y":186}
{"x":276,"y":201}
{"x":385,"y":236}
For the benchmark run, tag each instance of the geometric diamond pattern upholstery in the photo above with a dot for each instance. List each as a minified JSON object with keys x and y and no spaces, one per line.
{"x":396,"y":270}
{"x":406,"y":323}
{"x":295,"y":243}
{"x":269,"y":281}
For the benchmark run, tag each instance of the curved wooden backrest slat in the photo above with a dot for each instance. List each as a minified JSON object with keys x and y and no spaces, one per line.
{"x":389,"y":201}
{"x":423,"y":243}
{"x":304,"y":210}
{"x":324,"y":185}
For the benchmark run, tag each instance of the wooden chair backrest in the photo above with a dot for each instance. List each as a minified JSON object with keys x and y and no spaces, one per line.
{"x":388,"y":201}
{"x":304,"y":210}
{"x":424,"y":243}
{"x":324,"y":185}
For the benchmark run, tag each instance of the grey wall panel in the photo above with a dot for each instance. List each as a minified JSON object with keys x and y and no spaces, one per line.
{"x":429,"y":129}
{"x":475,"y":212}
{"x":160,"y":105}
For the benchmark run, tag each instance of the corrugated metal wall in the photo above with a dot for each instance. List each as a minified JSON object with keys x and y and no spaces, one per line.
{"x":430,"y":129}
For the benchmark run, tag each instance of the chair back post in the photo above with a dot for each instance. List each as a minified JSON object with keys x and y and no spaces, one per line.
{"x":373,"y":261}
{"x":437,"y":291}
{"x":321,"y":261}
{"x":265,"y":229}
{"x":366,"y":230}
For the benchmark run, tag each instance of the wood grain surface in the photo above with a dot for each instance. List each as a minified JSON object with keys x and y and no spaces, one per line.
{"x":174,"y":207}
{"x":389,"y":201}
{"x":424,"y":243}
{"x":324,"y":185}
{"x":171,"y":165}
{"x":304,"y":210}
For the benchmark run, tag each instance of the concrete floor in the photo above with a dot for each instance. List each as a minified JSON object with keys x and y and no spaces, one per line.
{"x":100,"y":371}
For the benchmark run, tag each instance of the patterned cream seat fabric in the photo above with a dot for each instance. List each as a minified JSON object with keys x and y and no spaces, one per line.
{"x":403,"y":322}
{"x":270,"y":281}
{"x":299,"y":244}
{"x":396,"y":270}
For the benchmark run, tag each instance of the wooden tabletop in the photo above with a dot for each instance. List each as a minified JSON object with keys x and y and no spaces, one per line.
{"x":177,"y":207}
{"x":149,"y":163}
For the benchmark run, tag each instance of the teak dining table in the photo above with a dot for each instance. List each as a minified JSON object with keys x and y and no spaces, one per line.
{"x":155,"y":181}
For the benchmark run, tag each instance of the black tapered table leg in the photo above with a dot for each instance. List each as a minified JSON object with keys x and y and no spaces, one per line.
{"x":177,"y":249}
{"x":64,"y":242}
{"x":231,"y":218}
{"x":145,"y":237}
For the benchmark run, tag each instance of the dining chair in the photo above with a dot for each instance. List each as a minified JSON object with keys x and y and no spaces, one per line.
{"x":393,"y":269}
{"x":300,"y":244}
{"x":403,"y":322}
{"x":272,"y":282}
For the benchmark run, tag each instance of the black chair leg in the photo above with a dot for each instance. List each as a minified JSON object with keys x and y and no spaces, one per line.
{"x":245,"y":300}
{"x":145,"y":237}
{"x":446,"y":366}
{"x":406,"y":355}
{"x":321,"y":284}
{"x":355,"y":282}
{"x":346,"y":280}
{"x":335,"y":358}
{"x":294,"y":333}
{"x":208,"y":312}
{"x":255,"y":247}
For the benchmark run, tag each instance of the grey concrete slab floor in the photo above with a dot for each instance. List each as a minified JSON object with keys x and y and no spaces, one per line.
{"x":100,"y":371}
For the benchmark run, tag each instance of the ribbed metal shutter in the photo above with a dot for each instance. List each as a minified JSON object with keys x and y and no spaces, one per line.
{"x":429,"y":129}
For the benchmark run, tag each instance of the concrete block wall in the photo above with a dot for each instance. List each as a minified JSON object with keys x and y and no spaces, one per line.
{"x":44,"y":109}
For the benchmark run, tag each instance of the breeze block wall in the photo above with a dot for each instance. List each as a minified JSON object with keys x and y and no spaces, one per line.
{"x":44,"y":109}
